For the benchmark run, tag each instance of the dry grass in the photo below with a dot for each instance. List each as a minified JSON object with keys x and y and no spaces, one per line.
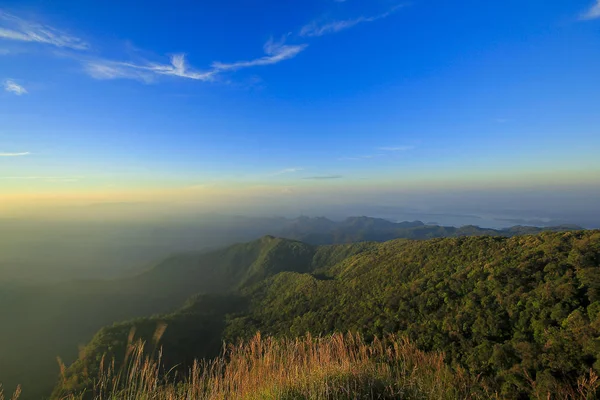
{"x":337,"y":367}
{"x":334,"y":367}
{"x":15,"y":395}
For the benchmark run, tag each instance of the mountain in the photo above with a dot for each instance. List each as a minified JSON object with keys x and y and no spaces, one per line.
{"x":226,"y":269}
{"x":515,"y":312}
{"x":45,"y":321}
{"x":321,"y":230}
{"x":49,"y":321}
{"x":85,"y":250}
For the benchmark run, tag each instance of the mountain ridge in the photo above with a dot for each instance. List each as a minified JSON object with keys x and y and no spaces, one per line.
{"x":490,"y":303}
{"x":86,"y":306}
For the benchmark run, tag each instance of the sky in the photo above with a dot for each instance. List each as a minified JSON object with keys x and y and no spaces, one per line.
{"x":432,"y":107}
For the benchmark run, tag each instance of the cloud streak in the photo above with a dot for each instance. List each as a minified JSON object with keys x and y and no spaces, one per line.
{"x":314,"y":29}
{"x":275,"y":53}
{"x":15,"y":154}
{"x":323,"y":177}
{"x":288,"y":171}
{"x":396,"y":148}
{"x":13,"y":87}
{"x":592,"y":13}
{"x":17,"y":29}
{"x":147,"y":72}
{"x":367,"y":157}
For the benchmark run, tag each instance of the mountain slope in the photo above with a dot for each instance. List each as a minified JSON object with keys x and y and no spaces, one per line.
{"x":507,"y":309}
{"x":51,"y":321}
{"x":228,"y":268}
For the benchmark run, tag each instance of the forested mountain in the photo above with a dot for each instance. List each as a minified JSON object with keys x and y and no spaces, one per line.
{"x":517,"y":312}
{"x":77,"y":250}
{"x":356,"y":229}
{"x":53,"y":320}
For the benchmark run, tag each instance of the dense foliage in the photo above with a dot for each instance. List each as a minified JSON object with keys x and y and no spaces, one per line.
{"x":521,"y":312}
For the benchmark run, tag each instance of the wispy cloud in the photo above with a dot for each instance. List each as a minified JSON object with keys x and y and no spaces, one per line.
{"x":396,"y":148}
{"x":17,"y":29}
{"x":324,"y":177}
{"x":593,"y":12}
{"x":13,"y":87}
{"x":146,"y":72}
{"x":15,"y":154}
{"x":275,"y":53}
{"x":316,"y":29}
{"x":288,"y":171}
{"x":358,"y":158}
{"x":178,"y":67}
{"x":107,"y":69}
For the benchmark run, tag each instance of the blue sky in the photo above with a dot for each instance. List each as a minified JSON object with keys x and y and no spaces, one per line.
{"x":315,"y":96}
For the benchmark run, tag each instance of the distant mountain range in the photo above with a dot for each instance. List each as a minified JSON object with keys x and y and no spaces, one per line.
{"x":355,"y":229}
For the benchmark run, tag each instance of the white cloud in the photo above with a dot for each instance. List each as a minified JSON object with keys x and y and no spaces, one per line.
{"x":323,"y":178}
{"x":13,"y":87}
{"x":15,"y":154}
{"x":315,"y":29}
{"x":146,"y":72}
{"x":178,"y":67}
{"x":105,"y":69}
{"x":396,"y":148}
{"x":17,"y":29}
{"x":275,"y":53}
{"x":593,"y":12}
{"x":288,"y":171}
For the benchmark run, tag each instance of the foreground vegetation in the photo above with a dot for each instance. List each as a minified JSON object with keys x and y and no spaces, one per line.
{"x":334,"y":367}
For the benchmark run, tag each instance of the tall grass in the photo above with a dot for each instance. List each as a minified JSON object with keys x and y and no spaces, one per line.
{"x":337,"y":367}
{"x":15,"y":395}
{"x":334,"y":367}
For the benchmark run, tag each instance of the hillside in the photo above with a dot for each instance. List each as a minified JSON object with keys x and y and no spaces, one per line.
{"x":516,"y":312}
{"x":51,"y":321}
